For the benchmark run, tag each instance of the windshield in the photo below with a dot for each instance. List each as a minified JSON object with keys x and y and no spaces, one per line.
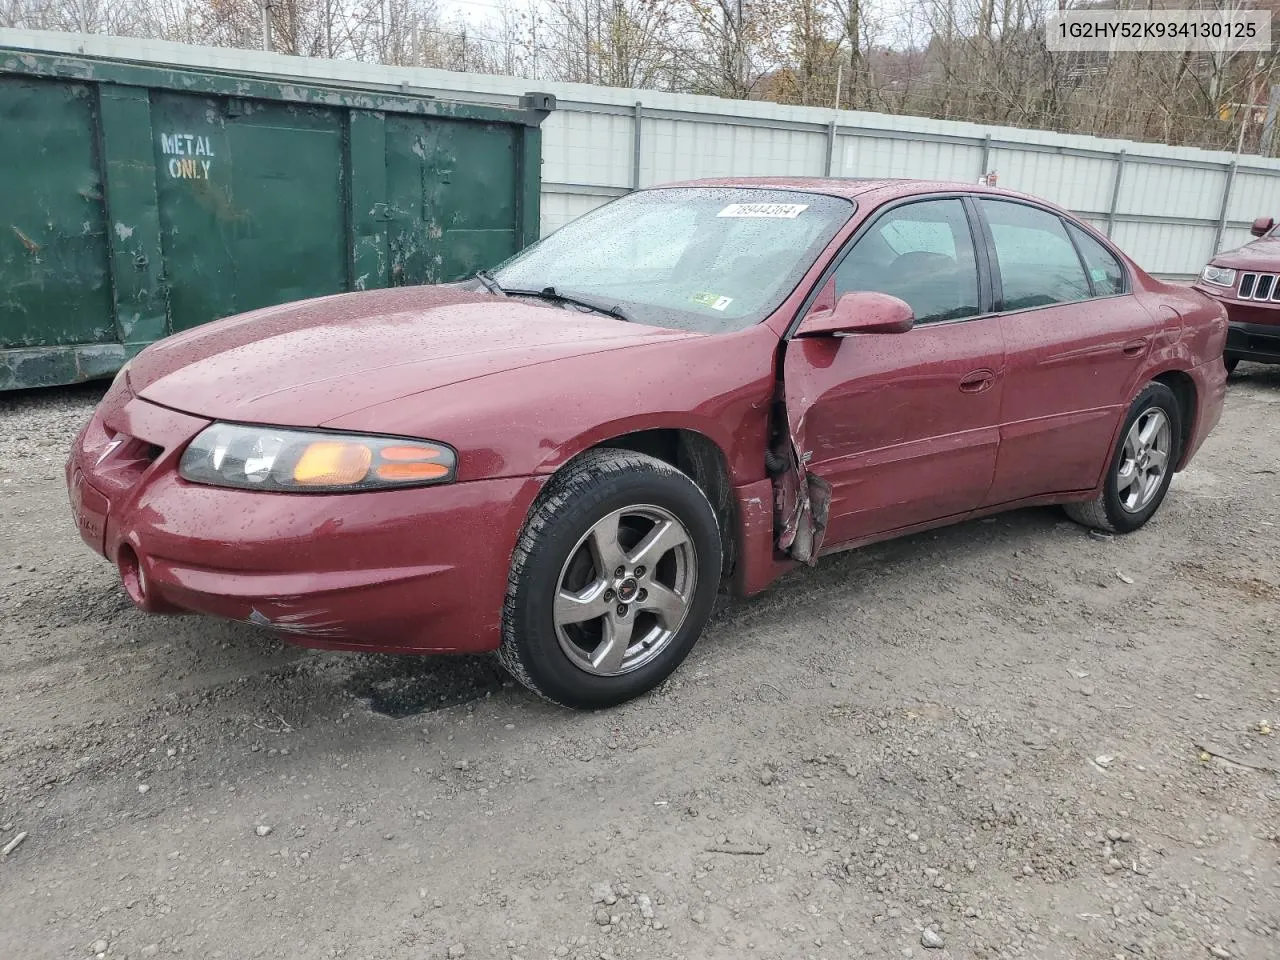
{"x":706,"y":259}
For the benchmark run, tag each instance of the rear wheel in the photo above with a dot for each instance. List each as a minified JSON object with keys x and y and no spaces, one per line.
{"x":1142,"y":466}
{"x":612,"y":581}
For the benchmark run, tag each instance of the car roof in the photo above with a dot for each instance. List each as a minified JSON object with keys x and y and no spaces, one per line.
{"x":852,"y":187}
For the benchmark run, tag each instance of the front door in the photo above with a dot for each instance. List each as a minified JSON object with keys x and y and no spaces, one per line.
{"x":903,"y":427}
{"x":1075,"y":342}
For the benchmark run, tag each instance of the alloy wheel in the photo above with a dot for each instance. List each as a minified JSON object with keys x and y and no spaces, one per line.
{"x":1144,"y":460}
{"x":625,"y":590}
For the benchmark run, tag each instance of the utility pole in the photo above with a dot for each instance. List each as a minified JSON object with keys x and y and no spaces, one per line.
{"x":586,"y":35}
{"x":739,"y":59}
{"x":266,"y":25}
{"x":620,"y":58}
{"x":853,"y":27}
{"x":534,"y":29}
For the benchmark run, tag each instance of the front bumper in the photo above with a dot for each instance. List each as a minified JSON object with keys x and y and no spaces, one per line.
{"x":1253,"y":341}
{"x":420,"y":570}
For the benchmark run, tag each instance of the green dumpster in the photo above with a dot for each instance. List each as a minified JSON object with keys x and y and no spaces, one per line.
{"x":139,"y":200}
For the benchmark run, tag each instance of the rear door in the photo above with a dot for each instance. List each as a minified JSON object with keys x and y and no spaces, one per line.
{"x":1075,"y":339}
{"x":902,"y":428}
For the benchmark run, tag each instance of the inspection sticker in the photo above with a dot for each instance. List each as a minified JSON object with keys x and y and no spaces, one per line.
{"x":712,"y":300}
{"x":776,"y":211}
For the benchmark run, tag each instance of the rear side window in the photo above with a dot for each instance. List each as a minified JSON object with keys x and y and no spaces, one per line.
{"x":921,"y":253}
{"x":1038,"y":263}
{"x":1104,"y":269}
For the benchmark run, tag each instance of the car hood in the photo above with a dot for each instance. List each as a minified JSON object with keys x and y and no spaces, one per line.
{"x":1261,"y":254}
{"x":306,"y":363}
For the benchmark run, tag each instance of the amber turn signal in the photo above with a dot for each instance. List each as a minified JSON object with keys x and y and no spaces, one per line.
{"x":412,"y":471}
{"x":329,"y":463}
{"x":406,"y":452}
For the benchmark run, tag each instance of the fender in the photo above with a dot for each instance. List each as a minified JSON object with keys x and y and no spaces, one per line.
{"x":717,"y":432}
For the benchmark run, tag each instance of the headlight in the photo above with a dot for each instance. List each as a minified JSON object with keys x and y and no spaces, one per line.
{"x":267,"y":458}
{"x":1218,"y":276}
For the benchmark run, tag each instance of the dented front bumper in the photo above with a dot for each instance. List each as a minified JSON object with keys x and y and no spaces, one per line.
{"x":420,"y":570}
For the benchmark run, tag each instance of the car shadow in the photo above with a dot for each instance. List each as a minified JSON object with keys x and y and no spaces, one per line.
{"x":405,"y":686}
{"x":1255,"y":374}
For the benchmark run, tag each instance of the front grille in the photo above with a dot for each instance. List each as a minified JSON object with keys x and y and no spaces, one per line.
{"x":1259,"y":286}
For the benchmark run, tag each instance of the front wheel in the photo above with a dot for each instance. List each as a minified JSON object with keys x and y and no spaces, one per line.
{"x":612,"y":581}
{"x":1142,"y":466}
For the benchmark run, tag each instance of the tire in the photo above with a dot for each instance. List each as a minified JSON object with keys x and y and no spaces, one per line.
{"x":562,"y":630}
{"x":1232,"y":363}
{"x":1132,"y":492}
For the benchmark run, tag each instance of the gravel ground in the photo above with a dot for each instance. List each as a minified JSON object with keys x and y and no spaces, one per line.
{"x":1006,"y":739}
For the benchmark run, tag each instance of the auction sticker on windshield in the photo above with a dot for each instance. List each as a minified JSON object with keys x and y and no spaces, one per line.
{"x":712,"y":300}
{"x":776,"y":211}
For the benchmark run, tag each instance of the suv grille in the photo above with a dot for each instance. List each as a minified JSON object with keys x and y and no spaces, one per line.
{"x":1259,"y":286}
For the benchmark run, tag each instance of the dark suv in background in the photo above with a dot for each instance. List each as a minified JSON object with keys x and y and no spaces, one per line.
{"x":1247,"y":282}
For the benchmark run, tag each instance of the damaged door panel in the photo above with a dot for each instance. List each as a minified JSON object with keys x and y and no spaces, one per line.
{"x":874,"y":420}
{"x":801,"y":500}
{"x":903,"y":389}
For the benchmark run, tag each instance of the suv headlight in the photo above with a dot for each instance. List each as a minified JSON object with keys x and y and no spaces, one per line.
{"x":312,"y":461}
{"x":1218,"y":276}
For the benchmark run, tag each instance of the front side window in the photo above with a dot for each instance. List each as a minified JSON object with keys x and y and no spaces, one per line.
{"x":1104,"y":269}
{"x":921,"y":253}
{"x":1037,"y":261}
{"x":707,"y":259}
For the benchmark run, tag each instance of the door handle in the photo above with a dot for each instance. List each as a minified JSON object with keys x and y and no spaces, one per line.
{"x":1134,"y":347}
{"x":977,"y":381}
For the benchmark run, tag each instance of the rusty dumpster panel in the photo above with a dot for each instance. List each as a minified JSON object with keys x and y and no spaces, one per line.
{"x":53,"y":218}
{"x":250,"y":197}
{"x":143,"y":200}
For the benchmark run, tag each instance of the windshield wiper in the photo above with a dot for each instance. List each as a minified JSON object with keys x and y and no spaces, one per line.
{"x":490,"y":284}
{"x":550,"y":293}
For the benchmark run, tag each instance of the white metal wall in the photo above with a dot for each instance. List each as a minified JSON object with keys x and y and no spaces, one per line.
{"x":1170,"y":208}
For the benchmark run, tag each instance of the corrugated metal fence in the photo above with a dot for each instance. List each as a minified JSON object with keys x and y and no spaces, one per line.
{"x":1170,"y":208}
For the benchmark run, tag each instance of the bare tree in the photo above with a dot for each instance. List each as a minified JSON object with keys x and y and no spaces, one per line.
{"x":985,"y":61}
{"x":618,"y":43}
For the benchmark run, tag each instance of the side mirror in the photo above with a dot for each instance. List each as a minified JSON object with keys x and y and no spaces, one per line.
{"x":1262,"y":226}
{"x":863,"y":311}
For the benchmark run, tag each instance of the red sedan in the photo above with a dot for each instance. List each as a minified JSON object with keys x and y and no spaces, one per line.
{"x":692,"y":388}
